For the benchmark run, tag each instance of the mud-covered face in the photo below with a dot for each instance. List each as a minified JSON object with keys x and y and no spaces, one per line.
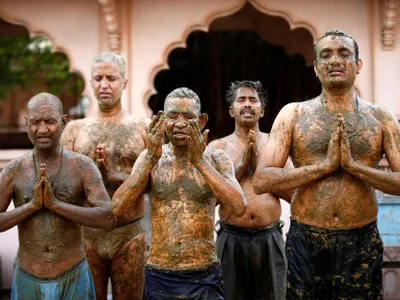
{"x":107,"y":84}
{"x":178,"y":112}
{"x":45,"y":125}
{"x":246,"y":107}
{"x":336,"y":66}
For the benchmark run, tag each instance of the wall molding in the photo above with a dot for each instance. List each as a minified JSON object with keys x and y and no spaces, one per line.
{"x":389,"y":24}
{"x":112,"y":26}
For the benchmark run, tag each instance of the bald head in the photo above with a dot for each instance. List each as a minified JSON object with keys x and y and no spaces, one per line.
{"x":45,"y":98}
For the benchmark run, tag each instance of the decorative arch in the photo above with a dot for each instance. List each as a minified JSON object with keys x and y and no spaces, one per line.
{"x":37,"y":31}
{"x":205,"y":26}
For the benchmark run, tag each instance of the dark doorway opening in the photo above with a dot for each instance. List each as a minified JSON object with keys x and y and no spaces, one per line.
{"x":212,"y":60}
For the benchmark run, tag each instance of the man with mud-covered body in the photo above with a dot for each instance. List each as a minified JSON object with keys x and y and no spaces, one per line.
{"x":185,"y":180}
{"x":251,"y":247}
{"x":336,"y":142}
{"x":49,"y":210}
{"x":113,"y":139}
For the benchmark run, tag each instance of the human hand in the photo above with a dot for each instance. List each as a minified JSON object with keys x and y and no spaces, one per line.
{"x":37,"y":198}
{"x":155,"y":136}
{"x":332,"y":160}
{"x":49,"y":199}
{"x":101,"y":159}
{"x":196,"y":142}
{"x":346,"y":159}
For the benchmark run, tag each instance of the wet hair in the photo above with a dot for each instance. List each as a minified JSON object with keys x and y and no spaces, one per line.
{"x":111,"y":57}
{"x":255,"y":85}
{"x":336,"y":32}
{"x":45,"y":97}
{"x":183,"y":92}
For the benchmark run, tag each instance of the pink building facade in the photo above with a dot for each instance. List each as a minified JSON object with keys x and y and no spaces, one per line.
{"x":145,"y":32}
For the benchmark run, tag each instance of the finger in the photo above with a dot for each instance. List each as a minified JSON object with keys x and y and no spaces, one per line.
{"x":205,"y":135}
{"x":42,"y":169}
{"x":193,"y":129}
{"x":152,"y":122}
{"x":189,"y":142}
{"x":252,"y":136}
{"x":159,"y":123}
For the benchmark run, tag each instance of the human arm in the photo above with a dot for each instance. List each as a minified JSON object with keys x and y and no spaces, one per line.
{"x":98,"y":213}
{"x":109,"y":174}
{"x":221,"y":179}
{"x":387,"y":182}
{"x":125,"y":197}
{"x":271,"y":176}
{"x":9,"y":219}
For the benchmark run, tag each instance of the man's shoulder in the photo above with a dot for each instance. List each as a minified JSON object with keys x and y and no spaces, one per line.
{"x":19,"y":162}
{"x":221,"y":143}
{"x":78,"y":158}
{"x":134,"y":120}
{"x":216,"y":154}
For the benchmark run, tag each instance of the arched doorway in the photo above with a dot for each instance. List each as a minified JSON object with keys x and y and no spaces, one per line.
{"x":29,"y":66}
{"x":247,"y":45}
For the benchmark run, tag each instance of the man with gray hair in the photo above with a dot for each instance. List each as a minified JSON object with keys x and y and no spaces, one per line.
{"x":113,"y":138}
{"x":185,"y":180}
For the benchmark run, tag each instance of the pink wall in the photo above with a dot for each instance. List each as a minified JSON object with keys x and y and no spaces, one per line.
{"x":151,"y":29}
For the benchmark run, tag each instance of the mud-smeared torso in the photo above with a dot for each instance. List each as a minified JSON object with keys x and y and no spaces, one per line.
{"x":123,"y":139}
{"x":182,"y":215}
{"x":48,"y":242}
{"x":338,"y":200}
{"x":262,"y":210}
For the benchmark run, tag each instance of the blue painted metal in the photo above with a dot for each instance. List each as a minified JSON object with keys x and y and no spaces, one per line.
{"x":389,"y":219}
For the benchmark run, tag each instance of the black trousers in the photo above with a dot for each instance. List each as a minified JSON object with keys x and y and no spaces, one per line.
{"x":253,"y":262}
{"x":334,"y":264}
{"x":161,"y":284}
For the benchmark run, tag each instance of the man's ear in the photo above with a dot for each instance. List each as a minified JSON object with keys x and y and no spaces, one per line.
{"x":203,"y":120}
{"x":64,"y":120}
{"x":262,"y":112}
{"x":125,"y":83}
{"x":359,"y":65}
{"x":26,"y":120}
{"x":231,"y":111}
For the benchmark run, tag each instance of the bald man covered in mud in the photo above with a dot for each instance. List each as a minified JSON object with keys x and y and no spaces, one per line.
{"x":55,"y":191}
{"x":336,"y":141}
{"x":113,"y":138}
{"x":251,"y":247}
{"x":185,"y":181}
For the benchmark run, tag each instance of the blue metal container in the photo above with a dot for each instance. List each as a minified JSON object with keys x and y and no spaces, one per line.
{"x":389,"y":219}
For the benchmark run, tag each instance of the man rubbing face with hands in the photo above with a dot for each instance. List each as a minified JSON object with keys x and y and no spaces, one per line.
{"x":185,"y":180}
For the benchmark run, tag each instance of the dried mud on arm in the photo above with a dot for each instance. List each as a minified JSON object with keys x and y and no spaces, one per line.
{"x":387,"y":182}
{"x":125,"y":197}
{"x":223,"y":183}
{"x":9,"y":219}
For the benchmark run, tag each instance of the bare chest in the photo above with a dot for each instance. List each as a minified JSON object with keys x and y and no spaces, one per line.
{"x":314,"y":128}
{"x":66,"y":186}
{"x":174,"y":181}
{"x":123,"y":143}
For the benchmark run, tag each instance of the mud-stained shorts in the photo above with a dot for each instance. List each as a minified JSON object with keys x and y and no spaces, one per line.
{"x":163,"y":284}
{"x":75,"y":283}
{"x":110,"y":242}
{"x":334,"y":263}
{"x":253,"y":262}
